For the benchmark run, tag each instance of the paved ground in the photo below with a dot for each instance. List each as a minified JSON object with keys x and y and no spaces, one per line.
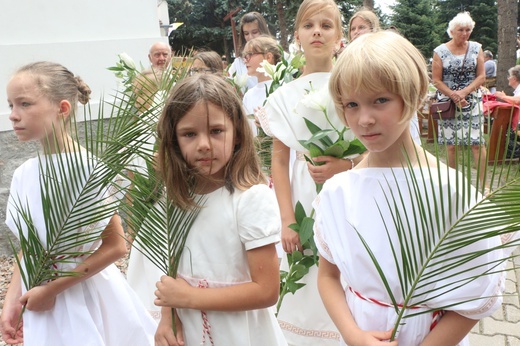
{"x":503,"y":327}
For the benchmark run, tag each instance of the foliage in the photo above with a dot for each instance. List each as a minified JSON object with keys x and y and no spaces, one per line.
{"x":415,"y":20}
{"x":318,"y":144}
{"x":299,"y":261}
{"x":285,"y":71}
{"x":82,"y":187}
{"x":436,"y":239}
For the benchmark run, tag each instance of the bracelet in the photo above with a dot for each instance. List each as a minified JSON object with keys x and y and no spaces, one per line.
{"x":352,"y":162}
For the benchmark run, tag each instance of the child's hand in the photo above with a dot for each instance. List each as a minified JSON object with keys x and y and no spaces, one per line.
{"x":172,"y":292}
{"x":331,"y":166}
{"x":10,"y":319}
{"x":371,"y":338}
{"x":164,"y":334}
{"x":258,"y":112}
{"x":290,"y":240}
{"x":38,"y":298}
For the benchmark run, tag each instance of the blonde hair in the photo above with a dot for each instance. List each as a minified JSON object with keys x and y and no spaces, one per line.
{"x":144,"y":86}
{"x":382,"y":61}
{"x":57,"y":83}
{"x":242,"y":170}
{"x":311,"y":7}
{"x":265,"y":44}
{"x":368,"y":16}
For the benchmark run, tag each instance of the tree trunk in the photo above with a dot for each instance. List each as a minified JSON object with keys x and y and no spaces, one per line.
{"x":283,"y":25}
{"x":507,"y":18}
{"x":368,"y":4}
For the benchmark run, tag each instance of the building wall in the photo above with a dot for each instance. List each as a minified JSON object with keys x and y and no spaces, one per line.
{"x":85,"y":36}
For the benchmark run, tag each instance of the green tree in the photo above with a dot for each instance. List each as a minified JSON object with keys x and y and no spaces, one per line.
{"x":415,"y":20}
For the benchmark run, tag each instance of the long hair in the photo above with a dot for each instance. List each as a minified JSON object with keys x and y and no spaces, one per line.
{"x":250,"y":18}
{"x":312,"y":7}
{"x":242,"y":170}
{"x":368,"y":16}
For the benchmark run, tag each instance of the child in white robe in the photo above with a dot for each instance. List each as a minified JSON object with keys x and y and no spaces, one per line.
{"x":227,"y":278}
{"x":377,"y":84}
{"x":96,"y":306}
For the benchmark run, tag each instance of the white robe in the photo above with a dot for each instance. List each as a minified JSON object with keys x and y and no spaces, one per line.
{"x":355,"y":201}
{"x":302,"y":315}
{"x":227,"y":227}
{"x":103,"y":309}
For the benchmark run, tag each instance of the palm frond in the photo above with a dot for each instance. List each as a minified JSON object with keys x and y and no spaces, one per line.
{"x":437,"y":245}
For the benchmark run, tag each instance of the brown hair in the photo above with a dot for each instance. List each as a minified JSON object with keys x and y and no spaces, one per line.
{"x":266,"y":44}
{"x":242,"y":170}
{"x":57,"y":83}
{"x":211,"y":59}
{"x":250,"y":18}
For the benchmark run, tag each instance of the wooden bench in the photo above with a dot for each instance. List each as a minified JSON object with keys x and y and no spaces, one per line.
{"x":496,"y":149}
{"x":501,"y":121}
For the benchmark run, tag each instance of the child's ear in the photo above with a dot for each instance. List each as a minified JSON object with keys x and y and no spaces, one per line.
{"x":297,"y":37}
{"x":270,"y":58}
{"x":65,"y":108}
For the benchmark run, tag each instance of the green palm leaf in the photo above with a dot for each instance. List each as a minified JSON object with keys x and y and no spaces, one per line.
{"x":81,"y":188}
{"x":438,"y":237}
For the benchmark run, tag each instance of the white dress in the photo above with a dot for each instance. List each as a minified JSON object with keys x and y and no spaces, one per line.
{"x":216,"y":256}
{"x":355,"y":201}
{"x":302,"y":316}
{"x":254,"y":98}
{"x":102,"y":310}
{"x":142,"y":274}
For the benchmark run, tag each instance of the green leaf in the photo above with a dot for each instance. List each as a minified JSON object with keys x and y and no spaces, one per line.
{"x":296,"y":256}
{"x":293,"y":286}
{"x":314,"y":129}
{"x":315,"y":150}
{"x":306,"y":230}
{"x":299,"y":213}
{"x":336,"y":150}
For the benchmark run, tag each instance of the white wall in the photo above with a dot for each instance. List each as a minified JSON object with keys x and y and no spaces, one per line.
{"x":84,"y":36}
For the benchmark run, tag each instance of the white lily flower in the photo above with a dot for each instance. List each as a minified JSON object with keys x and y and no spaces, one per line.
{"x":280,"y":69}
{"x":127,"y":60}
{"x":267,"y":69}
{"x":317,"y":99}
{"x":240,"y":80}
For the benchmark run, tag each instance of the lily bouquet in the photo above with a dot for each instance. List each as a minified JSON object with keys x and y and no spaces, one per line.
{"x":126,"y":70}
{"x":319,"y":144}
{"x":286,"y":70}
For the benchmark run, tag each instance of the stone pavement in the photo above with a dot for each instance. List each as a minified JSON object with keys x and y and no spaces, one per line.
{"x":503,"y":327}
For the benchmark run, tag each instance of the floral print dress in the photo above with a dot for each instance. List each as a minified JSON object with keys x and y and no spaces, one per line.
{"x":466,"y":127}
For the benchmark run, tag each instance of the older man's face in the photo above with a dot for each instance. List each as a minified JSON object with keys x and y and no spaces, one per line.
{"x":160,"y":56}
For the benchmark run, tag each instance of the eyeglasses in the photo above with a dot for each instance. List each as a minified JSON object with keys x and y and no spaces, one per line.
{"x":201,"y":70}
{"x":249,"y":55}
